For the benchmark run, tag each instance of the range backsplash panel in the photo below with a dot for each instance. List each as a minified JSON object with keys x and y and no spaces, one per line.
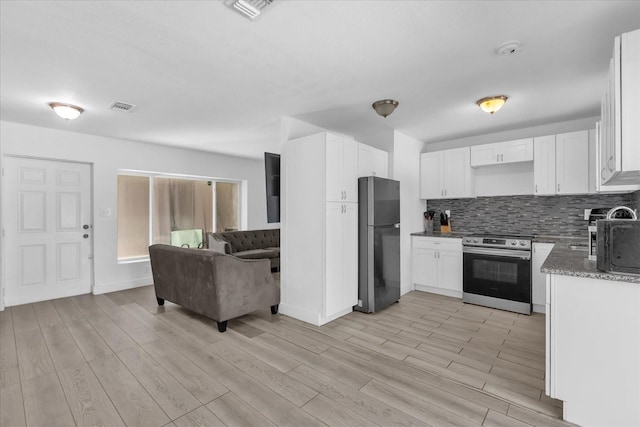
{"x":528,"y":215}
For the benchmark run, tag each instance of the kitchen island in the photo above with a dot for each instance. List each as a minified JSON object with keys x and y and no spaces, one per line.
{"x":592,"y":340}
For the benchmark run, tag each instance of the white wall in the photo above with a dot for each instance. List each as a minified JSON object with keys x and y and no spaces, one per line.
{"x":107,"y":155}
{"x":406,"y":167}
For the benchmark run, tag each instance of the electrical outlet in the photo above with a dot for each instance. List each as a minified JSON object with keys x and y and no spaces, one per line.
{"x":587,"y":212}
{"x":447,"y":213}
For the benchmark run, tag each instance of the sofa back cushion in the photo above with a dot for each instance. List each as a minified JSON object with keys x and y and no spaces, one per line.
{"x":241,"y":241}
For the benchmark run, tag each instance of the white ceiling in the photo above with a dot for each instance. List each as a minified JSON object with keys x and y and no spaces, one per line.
{"x":204,"y":77}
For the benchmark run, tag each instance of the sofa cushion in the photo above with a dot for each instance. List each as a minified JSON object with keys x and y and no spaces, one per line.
{"x":276,"y":250}
{"x":257,"y":254}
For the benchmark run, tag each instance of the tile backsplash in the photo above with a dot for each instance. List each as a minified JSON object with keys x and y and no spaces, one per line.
{"x":535,"y":215}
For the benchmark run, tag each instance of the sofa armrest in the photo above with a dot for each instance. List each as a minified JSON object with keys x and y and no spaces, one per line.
{"x":243,"y":286}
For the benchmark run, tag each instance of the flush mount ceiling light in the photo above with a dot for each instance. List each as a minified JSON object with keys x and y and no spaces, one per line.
{"x":491,"y":104}
{"x":250,"y":8}
{"x":66,"y":111}
{"x":384,"y":107}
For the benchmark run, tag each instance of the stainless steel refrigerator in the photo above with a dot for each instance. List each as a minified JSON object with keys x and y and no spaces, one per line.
{"x":378,"y":243}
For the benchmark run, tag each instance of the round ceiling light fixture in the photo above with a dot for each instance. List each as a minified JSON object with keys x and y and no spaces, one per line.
{"x":491,"y":104}
{"x":384,"y":107}
{"x":66,"y":111}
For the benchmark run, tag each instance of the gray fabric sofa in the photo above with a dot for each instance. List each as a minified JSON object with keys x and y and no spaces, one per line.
{"x":212,"y":284}
{"x":249,"y":244}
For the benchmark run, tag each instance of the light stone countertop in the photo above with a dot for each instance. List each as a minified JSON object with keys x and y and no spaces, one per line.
{"x":567,"y":262}
{"x":452,"y":235}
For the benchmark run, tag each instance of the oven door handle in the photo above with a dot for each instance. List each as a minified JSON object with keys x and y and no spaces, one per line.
{"x":497,"y":252}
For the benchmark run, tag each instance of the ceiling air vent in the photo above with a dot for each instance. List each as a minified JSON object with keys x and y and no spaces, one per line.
{"x":249,"y":8}
{"x":122,"y":106}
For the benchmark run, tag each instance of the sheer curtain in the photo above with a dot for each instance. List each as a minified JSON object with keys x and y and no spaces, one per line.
{"x":180,"y":204}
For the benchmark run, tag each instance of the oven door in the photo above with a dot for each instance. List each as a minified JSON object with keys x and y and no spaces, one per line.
{"x":497,"y":273}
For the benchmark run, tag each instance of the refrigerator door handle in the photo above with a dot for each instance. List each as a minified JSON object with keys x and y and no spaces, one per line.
{"x":396,"y":225}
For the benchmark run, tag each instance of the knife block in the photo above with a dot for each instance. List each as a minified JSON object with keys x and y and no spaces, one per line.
{"x":445,"y":228}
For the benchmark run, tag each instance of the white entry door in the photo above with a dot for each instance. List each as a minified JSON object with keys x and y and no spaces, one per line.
{"x":48,"y":229}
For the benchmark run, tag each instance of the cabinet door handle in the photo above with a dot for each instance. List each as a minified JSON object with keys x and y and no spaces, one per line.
{"x":497,"y":157}
{"x":558,"y":187}
{"x":502,"y":157}
{"x":536,"y":188}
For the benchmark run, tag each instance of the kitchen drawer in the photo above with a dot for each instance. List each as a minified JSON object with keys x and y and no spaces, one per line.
{"x":437,"y":243}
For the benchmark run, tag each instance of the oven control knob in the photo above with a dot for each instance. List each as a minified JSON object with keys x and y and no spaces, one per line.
{"x":521,"y":242}
{"x":475,"y":240}
{"x":513,"y":243}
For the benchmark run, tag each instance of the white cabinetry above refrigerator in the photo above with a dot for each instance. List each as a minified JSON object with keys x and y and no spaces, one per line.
{"x":372,"y":161}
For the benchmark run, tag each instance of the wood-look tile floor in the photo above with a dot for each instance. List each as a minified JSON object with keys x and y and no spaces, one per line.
{"x":119,"y":359}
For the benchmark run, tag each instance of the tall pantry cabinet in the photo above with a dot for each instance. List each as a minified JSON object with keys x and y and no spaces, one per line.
{"x":319,"y":270}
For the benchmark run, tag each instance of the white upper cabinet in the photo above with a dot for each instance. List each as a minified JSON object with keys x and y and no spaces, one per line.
{"x":544,"y":165}
{"x":596,"y":169}
{"x":430,"y":172}
{"x":620,"y":127}
{"x":342,"y":167}
{"x":456,"y":173}
{"x":561,"y":164}
{"x":445,"y":174}
{"x":520,"y":150}
{"x":372,"y":161}
{"x":572,"y":163}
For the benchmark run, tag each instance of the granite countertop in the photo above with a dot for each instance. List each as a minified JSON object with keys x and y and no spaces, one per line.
{"x":452,"y":235}
{"x":568,"y":262}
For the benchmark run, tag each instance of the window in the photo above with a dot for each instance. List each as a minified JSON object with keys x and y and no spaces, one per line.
{"x":133,"y":216}
{"x":151,"y":207}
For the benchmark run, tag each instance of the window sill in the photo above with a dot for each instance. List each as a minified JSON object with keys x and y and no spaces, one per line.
{"x":133,"y":260}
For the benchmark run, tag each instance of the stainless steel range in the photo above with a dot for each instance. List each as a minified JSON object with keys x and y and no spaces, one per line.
{"x":497,"y":271}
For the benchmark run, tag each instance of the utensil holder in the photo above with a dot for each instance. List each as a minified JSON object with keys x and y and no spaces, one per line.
{"x":428,"y":226}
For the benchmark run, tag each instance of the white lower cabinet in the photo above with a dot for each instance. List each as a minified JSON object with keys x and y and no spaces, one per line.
{"x":540,"y":253}
{"x":593,"y":349}
{"x":436,"y":265}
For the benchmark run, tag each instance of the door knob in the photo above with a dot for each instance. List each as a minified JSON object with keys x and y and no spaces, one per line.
{"x":86,"y":227}
{"x":86,"y":236}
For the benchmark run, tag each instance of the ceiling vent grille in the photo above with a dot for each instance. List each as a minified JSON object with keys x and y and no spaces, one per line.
{"x":122,"y":106}
{"x":251,"y":9}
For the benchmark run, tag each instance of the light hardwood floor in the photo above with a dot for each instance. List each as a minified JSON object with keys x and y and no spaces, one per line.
{"x":120,"y":359}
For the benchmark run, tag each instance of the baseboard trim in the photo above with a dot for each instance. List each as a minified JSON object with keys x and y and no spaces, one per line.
{"x":439,"y":291}
{"x":539,"y":308}
{"x":311,"y":317}
{"x":122,"y":286}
